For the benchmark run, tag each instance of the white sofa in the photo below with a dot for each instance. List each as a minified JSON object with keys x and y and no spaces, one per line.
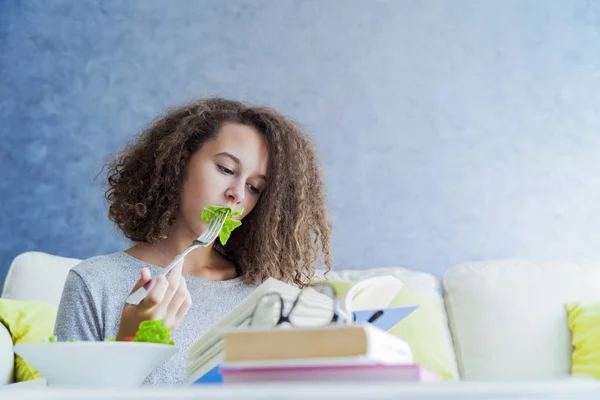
{"x":505,"y":319}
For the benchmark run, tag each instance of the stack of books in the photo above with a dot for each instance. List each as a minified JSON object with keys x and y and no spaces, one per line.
{"x":333,"y":353}
{"x":232,"y":352}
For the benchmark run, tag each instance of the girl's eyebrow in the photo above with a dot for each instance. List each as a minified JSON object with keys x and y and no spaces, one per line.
{"x":233,"y":158}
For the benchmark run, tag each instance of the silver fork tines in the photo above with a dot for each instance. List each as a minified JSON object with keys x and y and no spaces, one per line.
{"x":212,"y":231}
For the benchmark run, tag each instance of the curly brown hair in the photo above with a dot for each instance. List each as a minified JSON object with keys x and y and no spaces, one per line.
{"x":285,"y":235}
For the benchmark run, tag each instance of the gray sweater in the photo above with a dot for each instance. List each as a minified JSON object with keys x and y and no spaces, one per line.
{"x":95,"y":291}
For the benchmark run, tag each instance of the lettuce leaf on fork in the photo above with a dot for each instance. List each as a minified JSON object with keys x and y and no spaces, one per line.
{"x":230,"y":223}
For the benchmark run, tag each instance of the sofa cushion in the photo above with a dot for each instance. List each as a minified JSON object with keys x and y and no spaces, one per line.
{"x":508,"y":317}
{"x":27,"y":322}
{"x":423,"y":329}
{"x":584,"y":323}
{"x":422,"y":288}
{"x":36,"y":276}
{"x":7,"y":357}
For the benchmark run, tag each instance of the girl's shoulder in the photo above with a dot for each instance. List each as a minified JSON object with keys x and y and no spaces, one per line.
{"x":108,"y":269}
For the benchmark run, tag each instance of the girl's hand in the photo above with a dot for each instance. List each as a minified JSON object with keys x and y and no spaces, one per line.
{"x":168,"y":300}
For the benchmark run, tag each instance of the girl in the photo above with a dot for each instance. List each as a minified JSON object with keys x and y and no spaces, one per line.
{"x":210,"y":152}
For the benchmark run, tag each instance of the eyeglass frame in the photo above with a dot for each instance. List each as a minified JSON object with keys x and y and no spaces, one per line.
{"x":337,"y":317}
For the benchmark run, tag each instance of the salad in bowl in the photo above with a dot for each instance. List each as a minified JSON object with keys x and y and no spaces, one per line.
{"x":107,"y":363}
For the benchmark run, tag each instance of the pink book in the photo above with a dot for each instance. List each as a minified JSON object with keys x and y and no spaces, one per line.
{"x":356,"y":373}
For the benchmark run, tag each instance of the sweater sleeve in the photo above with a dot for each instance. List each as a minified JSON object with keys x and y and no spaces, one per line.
{"x":78,"y":316}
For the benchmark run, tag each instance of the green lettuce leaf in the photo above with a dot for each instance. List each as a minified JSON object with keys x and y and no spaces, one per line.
{"x":153,"y":331}
{"x":230,"y":223}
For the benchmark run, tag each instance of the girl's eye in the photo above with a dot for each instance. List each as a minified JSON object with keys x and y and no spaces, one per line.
{"x":253,"y":189}
{"x":225,"y":170}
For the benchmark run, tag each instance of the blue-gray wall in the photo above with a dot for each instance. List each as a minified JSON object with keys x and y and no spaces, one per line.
{"x":449,"y":130}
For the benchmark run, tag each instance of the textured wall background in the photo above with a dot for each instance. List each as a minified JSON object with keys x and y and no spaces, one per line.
{"x":449,"y":130}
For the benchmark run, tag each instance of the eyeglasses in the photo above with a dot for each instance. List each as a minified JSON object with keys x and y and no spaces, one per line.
{"x":314,"y":306}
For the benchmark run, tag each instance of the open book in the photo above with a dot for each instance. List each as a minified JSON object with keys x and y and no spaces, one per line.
{"x":208,"y":352}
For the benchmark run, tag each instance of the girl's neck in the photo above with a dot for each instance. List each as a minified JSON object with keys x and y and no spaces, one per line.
{"x":204,"y":262}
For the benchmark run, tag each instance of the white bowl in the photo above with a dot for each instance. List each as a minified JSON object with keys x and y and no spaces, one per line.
{"x":99,"y":364}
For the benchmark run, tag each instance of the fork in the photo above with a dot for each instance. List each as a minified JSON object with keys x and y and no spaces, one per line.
{"x":207,"y":237}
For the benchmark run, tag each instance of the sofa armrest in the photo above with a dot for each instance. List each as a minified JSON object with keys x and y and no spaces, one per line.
{"x":7,"y":357}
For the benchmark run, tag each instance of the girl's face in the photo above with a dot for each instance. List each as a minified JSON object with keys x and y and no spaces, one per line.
{"x":229,"y":170}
